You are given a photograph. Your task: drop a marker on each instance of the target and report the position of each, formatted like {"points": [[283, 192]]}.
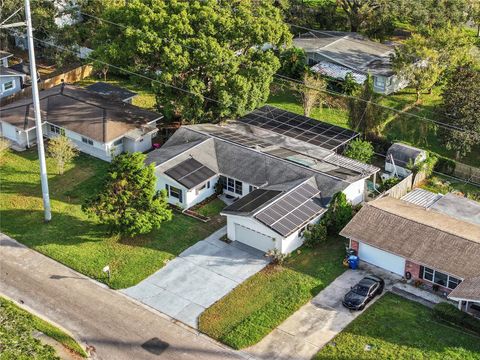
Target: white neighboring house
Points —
{"points": [[97, 125], [281, 183], [400, 156], [11, 80]]}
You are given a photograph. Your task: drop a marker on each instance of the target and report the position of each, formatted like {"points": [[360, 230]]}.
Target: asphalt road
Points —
{"points": [[113, 325]]}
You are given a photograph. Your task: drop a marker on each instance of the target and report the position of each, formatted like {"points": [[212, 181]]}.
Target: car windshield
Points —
{"points": [[360, 290]]}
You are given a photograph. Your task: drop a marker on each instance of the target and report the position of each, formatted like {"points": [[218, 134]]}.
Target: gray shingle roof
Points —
{"points": [[107, 89], [458, 207]]}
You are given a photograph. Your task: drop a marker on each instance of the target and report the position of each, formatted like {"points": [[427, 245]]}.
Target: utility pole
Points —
{"points": [[38, 117]]}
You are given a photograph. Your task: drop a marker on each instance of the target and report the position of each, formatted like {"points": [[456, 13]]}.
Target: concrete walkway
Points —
{"points": [[112, 325], [198, 277], [304, 333]]}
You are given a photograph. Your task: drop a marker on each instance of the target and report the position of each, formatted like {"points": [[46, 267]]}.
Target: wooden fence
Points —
{"points": [[71, 76], [467, 172], [401, 189]]}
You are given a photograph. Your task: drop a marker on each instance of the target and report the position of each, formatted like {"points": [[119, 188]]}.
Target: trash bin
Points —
{"points": [[353, 262]]}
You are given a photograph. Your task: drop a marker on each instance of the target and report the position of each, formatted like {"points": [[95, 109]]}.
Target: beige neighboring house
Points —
{"points": [[425, 237], [99, 126]]}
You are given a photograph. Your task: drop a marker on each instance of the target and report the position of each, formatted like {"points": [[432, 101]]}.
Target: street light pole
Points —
{"points": [[38, 118]]}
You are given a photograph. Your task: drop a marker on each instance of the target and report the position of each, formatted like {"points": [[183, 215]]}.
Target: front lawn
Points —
{"points": [[396, 328], [75, 240], [16, 340], [254, 308]]}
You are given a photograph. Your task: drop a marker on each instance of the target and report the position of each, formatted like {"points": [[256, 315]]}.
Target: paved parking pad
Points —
{"points": [[198, 277]]}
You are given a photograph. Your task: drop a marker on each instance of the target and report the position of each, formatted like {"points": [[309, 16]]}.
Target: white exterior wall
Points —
{"points": [[10, 132], [141, 144], [294, 241], [355, 192], [402, 172], [380, 258], [17, 85], [192, 198]]}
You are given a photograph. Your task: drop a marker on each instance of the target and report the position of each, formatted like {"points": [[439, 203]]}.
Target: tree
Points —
{"points": [[208, 56], [312, 91], [349, 85], [474, 13], [62, 150], [462, 105], [129, 202], [293, 62], [360, 150], [315, 234], [357, 11], [339, 213], [364, 113]]}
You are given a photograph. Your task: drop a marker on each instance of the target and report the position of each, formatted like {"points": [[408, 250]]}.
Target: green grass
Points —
{"points": [[396, 328], [75, 240], [16, 340], [443, 185], [262, 302], [144, 99], [212, 208]]}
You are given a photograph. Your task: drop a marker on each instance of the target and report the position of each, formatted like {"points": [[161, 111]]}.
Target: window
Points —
{"points": [[118, 142], [8, 85], [87, 140], [199, 189], [57, 130], [379, 82], [174, 192], [440, 278], [251, 188], [208, 184], [231, 185]]}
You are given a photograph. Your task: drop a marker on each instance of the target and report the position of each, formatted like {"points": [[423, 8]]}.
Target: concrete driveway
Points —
{"points": [[198, 277], [304, 333]]}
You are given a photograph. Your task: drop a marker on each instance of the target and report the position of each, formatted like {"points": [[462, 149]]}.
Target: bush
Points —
{"points": [[315, 234], [389, 183], [444, 165], [448, 312], [360, 150], [339, 213], [278, 258]]}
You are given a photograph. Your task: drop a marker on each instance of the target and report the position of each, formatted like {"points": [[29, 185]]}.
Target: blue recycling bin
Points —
{"points": [[353, 262]]}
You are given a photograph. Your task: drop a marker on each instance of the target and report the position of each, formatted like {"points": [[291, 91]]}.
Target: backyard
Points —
{"points": [[396, 328], [16, 335], [77, 241], [254, 308]]}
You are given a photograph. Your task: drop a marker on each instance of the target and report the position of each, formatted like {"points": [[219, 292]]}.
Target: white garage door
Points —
{"points": [[9, 131], [380, 258], [253, 238]]}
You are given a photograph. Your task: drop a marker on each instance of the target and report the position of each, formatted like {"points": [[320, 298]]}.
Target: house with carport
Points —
{"points": [[99, 126], [427, 238], [279, 170]]}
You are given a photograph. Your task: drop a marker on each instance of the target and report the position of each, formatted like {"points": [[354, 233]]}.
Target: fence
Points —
{"points": [[402, 188], [467, 172], [71, 76]]}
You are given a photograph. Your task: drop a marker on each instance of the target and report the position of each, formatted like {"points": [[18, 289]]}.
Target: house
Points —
{"points": [[97, 125], [11, 80], [401, 156], [425, 237], [335, 54], [282, 169], [113, 91]]}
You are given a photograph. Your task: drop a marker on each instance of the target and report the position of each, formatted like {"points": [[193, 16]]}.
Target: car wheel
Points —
{"points": [[361, 307]]}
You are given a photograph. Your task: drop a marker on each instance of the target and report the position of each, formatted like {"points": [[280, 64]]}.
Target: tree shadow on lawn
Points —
{"points": [[405, 323]]}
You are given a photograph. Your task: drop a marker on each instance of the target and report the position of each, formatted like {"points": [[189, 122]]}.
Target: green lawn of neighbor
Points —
{"points": [[16, 340], [75, 240], [144, 99], [396, 328], [254, 308], [443, 185]]}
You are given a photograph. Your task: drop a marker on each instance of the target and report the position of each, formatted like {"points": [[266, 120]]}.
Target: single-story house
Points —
{"points": [[11, 80], [97, 125], [271, 162], [335, 53], [424, 237], [113, 91], [400, 156]]}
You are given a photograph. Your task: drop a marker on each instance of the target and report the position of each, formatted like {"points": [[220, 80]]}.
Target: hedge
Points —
{"points": [[450, 313]]}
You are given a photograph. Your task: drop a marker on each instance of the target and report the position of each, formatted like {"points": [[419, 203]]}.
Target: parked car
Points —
{"points": [[361, 294]]}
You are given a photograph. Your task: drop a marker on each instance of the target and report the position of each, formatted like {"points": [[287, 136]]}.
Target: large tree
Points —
{"points": [[462, 106], [129, 202], [214, 49]]}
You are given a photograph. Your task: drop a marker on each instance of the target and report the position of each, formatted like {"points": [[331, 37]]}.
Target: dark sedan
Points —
{"points": [[361, 294]]}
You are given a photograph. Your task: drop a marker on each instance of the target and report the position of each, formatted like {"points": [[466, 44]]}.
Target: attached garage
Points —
{"points": [[253, 238], [380, 258]]}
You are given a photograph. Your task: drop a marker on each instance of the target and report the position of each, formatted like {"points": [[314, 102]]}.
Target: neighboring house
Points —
{"points": [[113, 91], [334, 54], [424, 237], [282, 168], [11, 80], [97, 125], [400, 157]]}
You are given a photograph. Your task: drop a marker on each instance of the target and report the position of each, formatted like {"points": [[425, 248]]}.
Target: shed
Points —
{"points": [[402, 155]]}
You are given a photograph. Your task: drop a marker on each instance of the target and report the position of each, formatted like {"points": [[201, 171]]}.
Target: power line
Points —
{"points": [[284, 78]]}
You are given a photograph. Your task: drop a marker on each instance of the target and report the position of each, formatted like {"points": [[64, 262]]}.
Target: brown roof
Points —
{"points": [[426, 237], [467, 290], [84, 112]]}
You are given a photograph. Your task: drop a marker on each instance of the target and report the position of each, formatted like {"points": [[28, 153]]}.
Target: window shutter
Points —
{"points": [[180, 195], [166, 188], [420, 276]]}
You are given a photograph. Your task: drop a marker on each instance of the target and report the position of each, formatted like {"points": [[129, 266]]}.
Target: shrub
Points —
{"points": [[278, 258], [389, 183], [339, 213], [448, 312], [444, 165], [360, 150], [315, 234]]}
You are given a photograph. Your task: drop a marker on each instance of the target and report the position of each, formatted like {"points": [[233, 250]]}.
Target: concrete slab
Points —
{"points": [[198, 277]]}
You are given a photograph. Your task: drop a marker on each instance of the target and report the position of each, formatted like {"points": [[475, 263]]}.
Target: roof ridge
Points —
{"points": [[422, 223]]}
